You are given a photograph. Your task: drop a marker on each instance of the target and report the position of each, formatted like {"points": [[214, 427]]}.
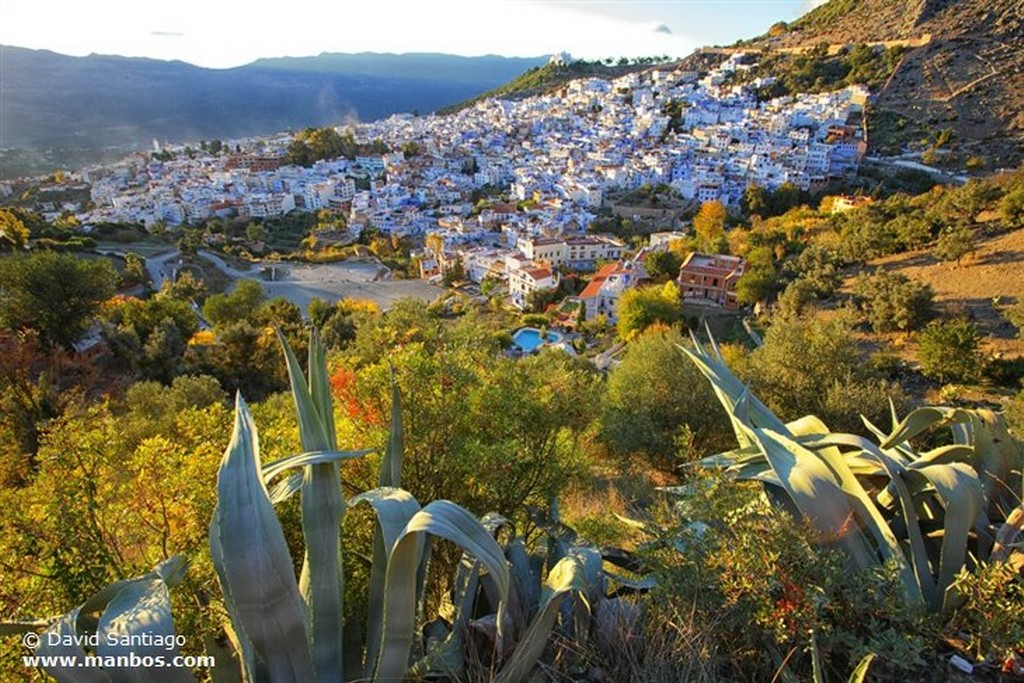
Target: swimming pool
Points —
{"points": [[529, 339]]}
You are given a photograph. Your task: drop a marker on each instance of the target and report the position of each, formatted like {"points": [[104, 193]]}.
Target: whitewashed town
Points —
{"points": [[557, 160]]}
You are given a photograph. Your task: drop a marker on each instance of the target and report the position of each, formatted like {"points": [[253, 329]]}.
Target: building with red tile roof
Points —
{"points": [[711, 278]]}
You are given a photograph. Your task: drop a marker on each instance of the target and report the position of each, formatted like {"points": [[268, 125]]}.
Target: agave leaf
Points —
{"points": [[17, 628], [446, 657], [813, 487], [526, 580], [944, 455], [273, 470], [922, 419], [320, 388], [861, 672], [871, 518], [393, 508], [391, 465], [312, 432], [808, 425], [286, 488], [251, 558], [640, 585], [449, 521], [1007, 535], [227, 657], [63, 632], [323, 508], [817, 672], [564, 578], [960, 492], [999, 460], [140, 609], [730, 390], [894, 470]]}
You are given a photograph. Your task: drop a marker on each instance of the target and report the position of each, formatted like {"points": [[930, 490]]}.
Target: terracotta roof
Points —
{"points": [[593, 287]]}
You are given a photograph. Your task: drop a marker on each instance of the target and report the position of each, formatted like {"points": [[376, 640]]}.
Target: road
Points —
{"points": [[301, 282]]}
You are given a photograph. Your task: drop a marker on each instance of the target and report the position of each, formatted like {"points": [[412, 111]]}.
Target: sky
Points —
{"points": [[221, 34]]}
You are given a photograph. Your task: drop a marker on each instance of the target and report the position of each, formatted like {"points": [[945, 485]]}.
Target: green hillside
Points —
{"points": [[542, 79]]}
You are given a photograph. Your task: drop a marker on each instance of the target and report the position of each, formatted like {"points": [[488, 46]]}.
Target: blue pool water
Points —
{"points": [[528, 338]]}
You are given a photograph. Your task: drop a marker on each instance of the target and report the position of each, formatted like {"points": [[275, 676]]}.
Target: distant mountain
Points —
{"points": [[963, 69], [48, 100]]}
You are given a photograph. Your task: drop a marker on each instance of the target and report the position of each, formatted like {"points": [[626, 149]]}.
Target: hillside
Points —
{"points": [[962, 70], [48, 100], [543, 79]]}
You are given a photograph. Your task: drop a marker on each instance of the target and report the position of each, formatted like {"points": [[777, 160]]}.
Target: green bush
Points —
{"points": [[1005, 372], [892, 301], [747, 587], [948, 350]]}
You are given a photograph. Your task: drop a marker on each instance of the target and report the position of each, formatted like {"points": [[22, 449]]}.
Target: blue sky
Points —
{"points": [[223, 34]]}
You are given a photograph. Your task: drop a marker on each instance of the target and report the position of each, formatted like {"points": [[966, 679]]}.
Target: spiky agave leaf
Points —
{"points": [[391, 465], [323, 508], [133, 606], [251, 558], [393, 509], [446, 520], [141, 609], [568, 576]]}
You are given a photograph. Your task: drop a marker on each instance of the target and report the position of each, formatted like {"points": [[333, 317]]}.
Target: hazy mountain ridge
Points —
{"points": [[52, 100]]}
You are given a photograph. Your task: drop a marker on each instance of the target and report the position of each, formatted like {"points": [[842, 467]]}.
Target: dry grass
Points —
{"points": [[984, 285]]}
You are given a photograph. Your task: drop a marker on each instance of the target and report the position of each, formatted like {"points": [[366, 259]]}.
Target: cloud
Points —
{"points": [[167, 34], [807, 5]]}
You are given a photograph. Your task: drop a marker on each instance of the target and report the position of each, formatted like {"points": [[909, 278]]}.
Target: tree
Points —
{"points": [[955, 243], [54, 294], [813, 365], [892, 301], [454, 273], [796, 299], [662, 265], [754, 201], [948, 350], [13, 233], [709, 223], [657, 404], [255, 232], [435, 243], [642, 307], [186, 288], [240, 304], [134, 269], [757, 285], [1012, 206], [1015, 315]]}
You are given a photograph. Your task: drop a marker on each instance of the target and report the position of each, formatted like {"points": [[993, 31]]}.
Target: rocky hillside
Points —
{"points": [[963, 70]]}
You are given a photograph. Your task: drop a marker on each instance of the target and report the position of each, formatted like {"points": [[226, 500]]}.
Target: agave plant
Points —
{"points": [[287, 628], [127, 627], [930, 513]]}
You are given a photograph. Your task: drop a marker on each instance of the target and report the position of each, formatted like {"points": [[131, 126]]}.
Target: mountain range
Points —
{"points": [[51, 100], [959, 84]]}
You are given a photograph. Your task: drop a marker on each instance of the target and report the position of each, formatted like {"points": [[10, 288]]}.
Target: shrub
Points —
{"points": [[948, 350], [743, 587], [892, 301], [814, 365], [1015, 315], [1005, 372], [954, 243], [652, 397]]}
